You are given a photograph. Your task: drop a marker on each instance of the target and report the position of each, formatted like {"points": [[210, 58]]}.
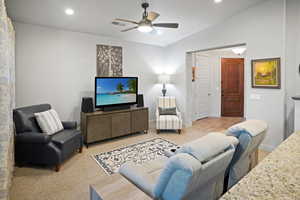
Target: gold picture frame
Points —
{"points": [[266, 73]]}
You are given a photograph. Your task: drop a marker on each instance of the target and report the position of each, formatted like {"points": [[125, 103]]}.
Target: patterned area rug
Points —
{"points": [[137, 153]]}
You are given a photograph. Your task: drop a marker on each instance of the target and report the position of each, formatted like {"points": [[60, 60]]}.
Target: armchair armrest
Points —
{"points": [[33, 137], [178, 114], [69, 125], [157, 113]]}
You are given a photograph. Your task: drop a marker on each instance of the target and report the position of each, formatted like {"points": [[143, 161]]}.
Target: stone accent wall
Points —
{"points": [[7, 100]]}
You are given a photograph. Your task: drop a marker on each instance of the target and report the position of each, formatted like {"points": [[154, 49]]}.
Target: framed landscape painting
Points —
{"points": [[266, 73]]}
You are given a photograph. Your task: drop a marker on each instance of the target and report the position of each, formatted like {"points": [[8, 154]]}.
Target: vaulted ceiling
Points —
{"points": [[95, 16]]}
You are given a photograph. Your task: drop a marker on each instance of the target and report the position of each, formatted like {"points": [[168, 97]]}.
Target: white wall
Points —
{"points": [[262, 29], [58, 67]]}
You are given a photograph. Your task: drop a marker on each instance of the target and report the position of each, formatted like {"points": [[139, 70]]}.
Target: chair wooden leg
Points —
{"points": [[57, 167], [80, 150], [179, 131], [157, 131]]}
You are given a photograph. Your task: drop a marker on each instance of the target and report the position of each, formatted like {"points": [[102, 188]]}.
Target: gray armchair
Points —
{"points": [[196, 172], [250, 135], [34, 147]]}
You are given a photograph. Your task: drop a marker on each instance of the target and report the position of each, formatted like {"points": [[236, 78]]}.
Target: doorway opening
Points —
{"points": [[217, 82]]}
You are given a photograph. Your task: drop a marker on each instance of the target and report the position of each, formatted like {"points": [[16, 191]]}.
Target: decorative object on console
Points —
{"points": [[164, 79], [140, 100], [266, 73], [109, 61], [137, 153], [87, 105]]}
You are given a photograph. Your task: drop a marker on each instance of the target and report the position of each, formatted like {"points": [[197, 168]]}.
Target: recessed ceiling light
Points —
{"points": [[218, 1], [69, 11]]}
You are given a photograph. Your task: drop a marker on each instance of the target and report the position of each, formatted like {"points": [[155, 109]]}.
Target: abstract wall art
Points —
{"points": [[109, 61]]}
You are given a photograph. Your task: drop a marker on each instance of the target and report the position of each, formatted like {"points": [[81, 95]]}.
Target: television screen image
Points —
{"points": [[115, 90]]}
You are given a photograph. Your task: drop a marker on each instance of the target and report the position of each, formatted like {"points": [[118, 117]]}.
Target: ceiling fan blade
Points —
{"points": [[129, 29], [152, 16], [166, 25], [126, 20]]}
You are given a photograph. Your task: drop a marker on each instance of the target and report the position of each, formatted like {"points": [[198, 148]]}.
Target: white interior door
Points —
{"points": [[201, 87]]}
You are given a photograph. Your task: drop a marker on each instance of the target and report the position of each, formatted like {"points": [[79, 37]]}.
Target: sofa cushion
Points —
{"points": [[64, 136], [169, 122], [67, 141], [167, 111], [209, 146], [49, 121]]}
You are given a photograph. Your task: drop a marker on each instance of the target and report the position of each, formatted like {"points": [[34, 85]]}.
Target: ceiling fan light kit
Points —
{"points": [[145, 28], [146, 25]]}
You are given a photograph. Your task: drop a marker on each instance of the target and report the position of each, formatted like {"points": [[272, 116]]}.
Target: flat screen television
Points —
{"points": [[115, 91]]}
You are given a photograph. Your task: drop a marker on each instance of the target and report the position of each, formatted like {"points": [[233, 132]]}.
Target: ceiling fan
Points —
{"points": [[146, 24]]}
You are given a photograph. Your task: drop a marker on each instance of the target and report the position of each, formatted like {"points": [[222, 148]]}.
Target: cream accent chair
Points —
{"points": [[168, 122]]}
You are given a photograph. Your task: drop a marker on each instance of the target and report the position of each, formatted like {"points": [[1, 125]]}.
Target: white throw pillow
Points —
{"points": [[49, 122]]}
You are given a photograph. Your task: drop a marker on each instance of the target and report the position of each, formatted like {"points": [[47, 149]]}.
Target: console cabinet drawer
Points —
{"points": [[139, 120], [121, 124], [98, 128]]}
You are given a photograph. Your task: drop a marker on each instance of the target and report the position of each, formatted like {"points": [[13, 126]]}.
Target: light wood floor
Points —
{"points": [[72, 182]]}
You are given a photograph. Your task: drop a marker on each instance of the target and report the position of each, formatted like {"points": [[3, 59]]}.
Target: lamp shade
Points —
{"points": [[164, 78]]}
